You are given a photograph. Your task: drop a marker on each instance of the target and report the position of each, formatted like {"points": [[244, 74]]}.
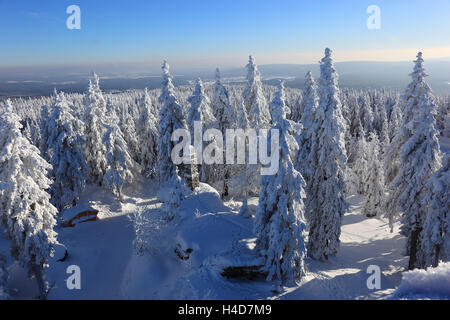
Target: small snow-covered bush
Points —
{"points": [[433, 283]]}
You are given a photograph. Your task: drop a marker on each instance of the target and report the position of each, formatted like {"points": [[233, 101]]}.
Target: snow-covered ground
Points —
{"points": [[433, 283], [218, 237]]}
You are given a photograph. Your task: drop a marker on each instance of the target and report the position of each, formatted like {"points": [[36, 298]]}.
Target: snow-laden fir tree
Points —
{"points": [[25, 209], [258, 113], [170, 119], [66, 155], [395, 123], [375, 194], [240, 172], [359, 165], [225, 119], [43, 123], [279, 224], [128, 128], [435, 237], [419, 159], [442, 115], [94, 149], [254, 99], [221, 105], [409, 103], [380, 124], [325, 192], [200, 108], [200, 112], [310, 101], [32, 131], [147, 135], [366, 113], [121, 168]]}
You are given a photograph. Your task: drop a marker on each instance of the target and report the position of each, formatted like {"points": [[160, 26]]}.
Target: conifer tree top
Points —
{"points": [[419, 71], [280, 110], [252, 68], [217, 75]]}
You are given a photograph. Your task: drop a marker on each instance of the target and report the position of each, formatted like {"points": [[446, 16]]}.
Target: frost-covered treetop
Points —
{"points": [[253, 97], [95, 101], [200, 109], [217, 75], [168, 88], [199, 88], [311, 100], [96, 80], [220, 93], [280, 110], [309, 80], [10, 122], [416, 88], [419, 71], [253, 72], [329, 77]]}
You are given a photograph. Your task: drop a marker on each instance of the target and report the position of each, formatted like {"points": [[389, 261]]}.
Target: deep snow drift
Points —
{"points": [[433, 283]]}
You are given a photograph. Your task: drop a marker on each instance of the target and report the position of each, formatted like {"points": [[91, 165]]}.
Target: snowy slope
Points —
{"points": [[218, 238]]}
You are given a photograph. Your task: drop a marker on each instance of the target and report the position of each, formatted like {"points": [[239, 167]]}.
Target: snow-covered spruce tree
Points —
{"points": [[310, 101], [375, 196], [419, 159], [43, 123], [200, 111], [147, 135], [366, 113], [279, 224], [442, 114], [121, 168], [298, 106], [381, 125], [435, 237], [394, 123], [360, 165], [254, 99], [224, 114], [409, 103], [128, 128], [325, 192], [32, 132], [67, 158], [170, 119], [258, 113], [25, 209], [94, 149], [241, 184], [221, 105]]}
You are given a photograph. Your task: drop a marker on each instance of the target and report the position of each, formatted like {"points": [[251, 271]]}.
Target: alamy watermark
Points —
{"points": [[374, 280], [374, 20], [236, 143], [73, 282], [73, 22]]}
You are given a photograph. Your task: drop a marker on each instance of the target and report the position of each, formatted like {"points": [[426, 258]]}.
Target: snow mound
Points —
{"points": [[205, 199], [433, 283]]}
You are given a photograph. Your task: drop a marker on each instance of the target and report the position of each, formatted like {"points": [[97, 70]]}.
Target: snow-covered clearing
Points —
{"points": [[219, 238]]}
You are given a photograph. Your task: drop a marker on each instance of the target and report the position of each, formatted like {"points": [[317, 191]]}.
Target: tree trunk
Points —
{"points": [[37, 271], [413, 245]]}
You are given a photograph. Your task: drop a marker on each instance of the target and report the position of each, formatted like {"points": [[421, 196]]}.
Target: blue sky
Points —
{"points": [[211, 32]]}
